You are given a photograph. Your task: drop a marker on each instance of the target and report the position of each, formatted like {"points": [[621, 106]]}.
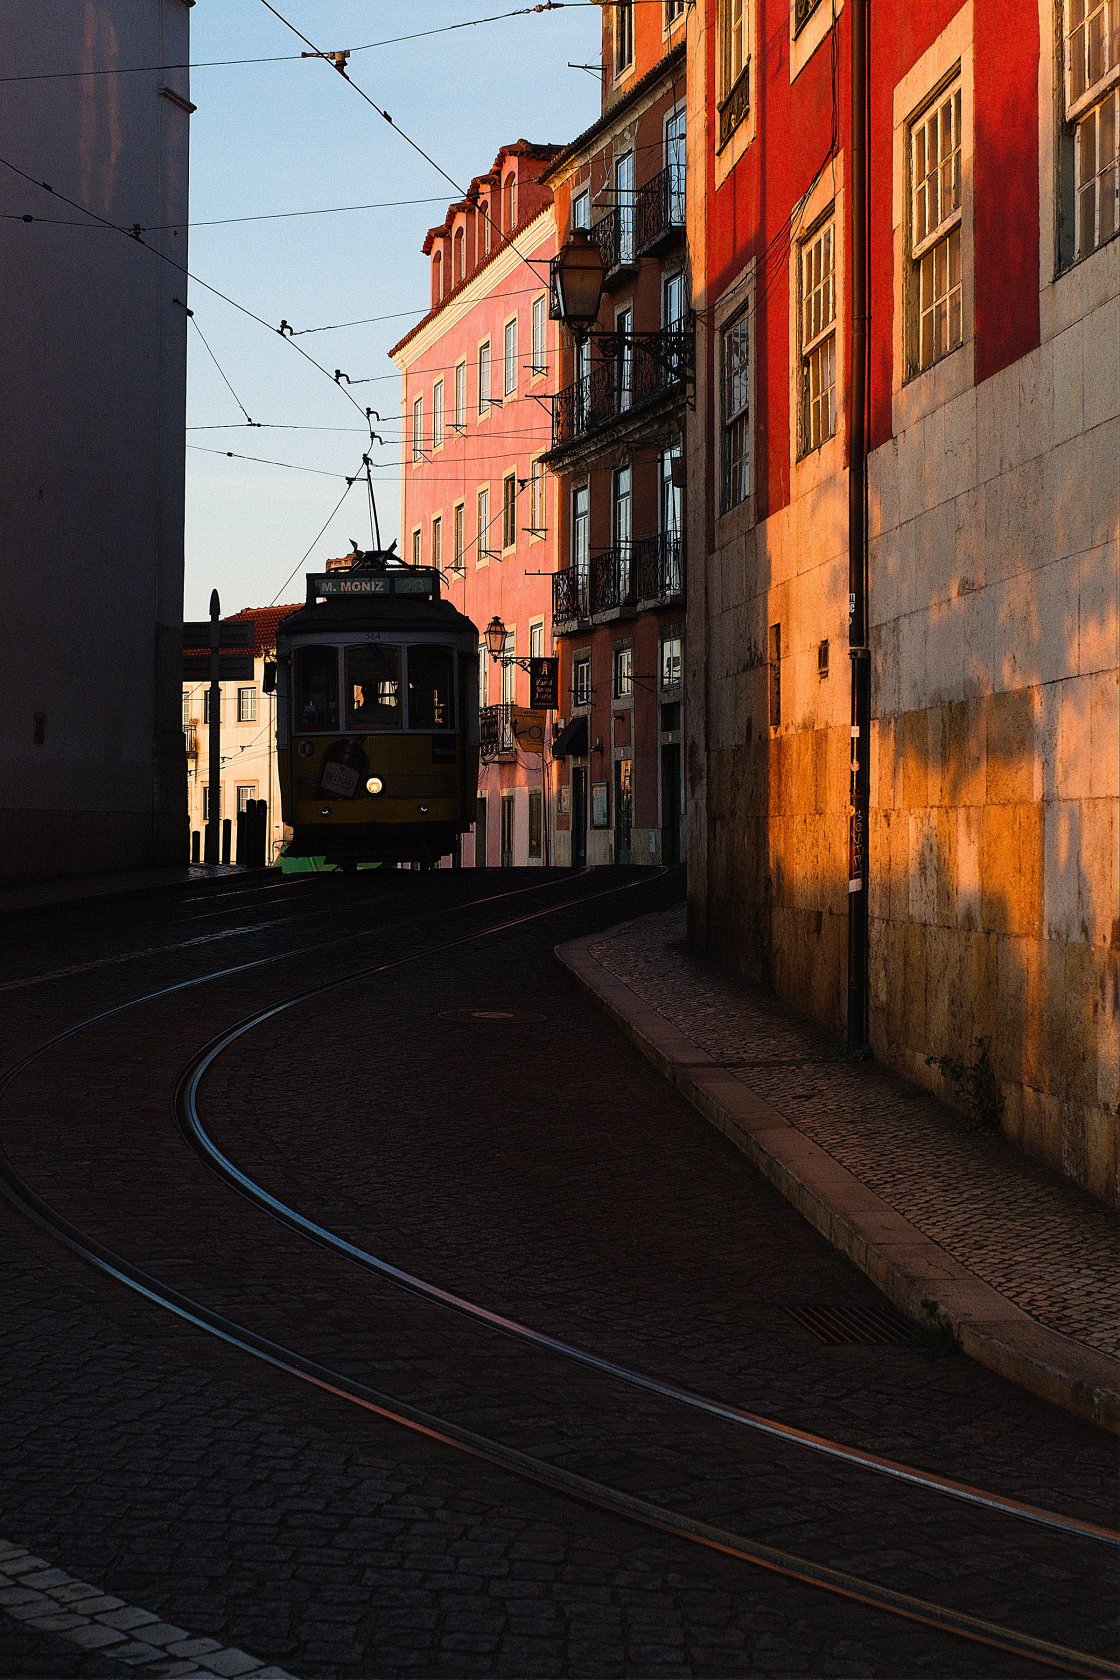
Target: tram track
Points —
{"points": [[503, 1455]]}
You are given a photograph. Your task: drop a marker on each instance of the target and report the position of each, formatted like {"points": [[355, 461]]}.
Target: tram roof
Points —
{"points": [[339, 613]]}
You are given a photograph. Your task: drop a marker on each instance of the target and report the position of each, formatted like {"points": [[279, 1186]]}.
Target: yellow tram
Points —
{"points": [[377, 716]]}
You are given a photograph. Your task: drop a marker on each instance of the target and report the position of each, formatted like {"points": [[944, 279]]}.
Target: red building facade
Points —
{"points": [[617, 455], [477, 500], [903, 572]]}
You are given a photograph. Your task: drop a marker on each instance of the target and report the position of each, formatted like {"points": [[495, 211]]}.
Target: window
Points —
{"points": [[536, 640], [538, 356], [818, 337], [482, 523], [802, 12], [458, 535], [624, 362], [373, 687], [675, 163], [484, 378], [186, 705], [536, 822], [937, 320], [669, 491], [206, 802], [734, 386], [437, 542], [317, 687], [511, 202], [674, 11], [418, 429], [437, 414], [774, 667], [622, 528], [206, 705], [581, 534], [483, 673], [624, 199], [581, 681], [509, 360], [417, 547], [623, 35], [537, 526], [581, 210], [670, 662], [509, 671], [246, 705], [486, 212], [431, 688], [734, 102], [461, 397], [1091, 36], [437, 278], [673, 302], [509, 510], [245, 792], [460, 255], [623, 672]]}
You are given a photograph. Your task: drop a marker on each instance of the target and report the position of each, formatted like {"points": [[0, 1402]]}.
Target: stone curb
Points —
{"points": [[912, 1270]]}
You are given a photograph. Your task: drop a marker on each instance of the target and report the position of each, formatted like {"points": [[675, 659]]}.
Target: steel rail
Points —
{"points": [[957, 1624]]}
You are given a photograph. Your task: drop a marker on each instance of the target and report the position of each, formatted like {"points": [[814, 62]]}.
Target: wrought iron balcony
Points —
{"points": [[570, 599], [614, 235], [612, 581], [734, 107], [660, 568], [659, 209], [496, 737], [633, 370]]}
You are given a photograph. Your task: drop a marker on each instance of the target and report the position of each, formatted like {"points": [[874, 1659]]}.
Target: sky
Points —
{"points": [[292, 136]]}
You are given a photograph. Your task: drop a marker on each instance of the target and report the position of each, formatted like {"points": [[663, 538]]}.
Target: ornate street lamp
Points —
{"points": [[578, 273], [495, 638]]}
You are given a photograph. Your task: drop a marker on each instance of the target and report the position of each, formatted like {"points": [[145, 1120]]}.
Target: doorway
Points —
{"points": [[480, 834], [671, 804], [579, 817], [505, 833], [623, 809]]}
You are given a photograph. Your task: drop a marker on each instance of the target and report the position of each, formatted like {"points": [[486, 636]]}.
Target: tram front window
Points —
{"points": [[317, 688], [431, 688], [373, 688]]}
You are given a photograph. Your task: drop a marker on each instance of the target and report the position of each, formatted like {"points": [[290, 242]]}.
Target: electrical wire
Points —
{"points": [[194, 323]]}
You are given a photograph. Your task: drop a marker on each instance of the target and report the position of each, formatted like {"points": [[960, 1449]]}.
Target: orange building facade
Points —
{"points": [[477, 500]]}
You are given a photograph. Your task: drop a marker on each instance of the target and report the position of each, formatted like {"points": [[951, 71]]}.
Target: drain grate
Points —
{"points": [[854, 1326]]}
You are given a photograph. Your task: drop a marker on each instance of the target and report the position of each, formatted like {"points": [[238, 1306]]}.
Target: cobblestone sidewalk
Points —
{"points": [[1021, 1264]]}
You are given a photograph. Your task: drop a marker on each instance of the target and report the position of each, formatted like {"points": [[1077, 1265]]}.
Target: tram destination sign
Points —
{"points": [[331, 585]]}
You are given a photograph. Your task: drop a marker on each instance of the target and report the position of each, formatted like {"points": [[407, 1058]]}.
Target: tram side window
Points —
{"points": [[373, 688], [317, 688], [431, 688]]}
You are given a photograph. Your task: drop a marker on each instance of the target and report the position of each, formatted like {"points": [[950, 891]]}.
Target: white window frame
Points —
{"points": [[459, 536], [536, 638], [509, 669], [581, 680], [674, 12], [625, 199], [935, 212], [485, 376], [482, 525], [580, 558], [437, 541], [247, 704], [622, 671], [437, 415], [538, 353], [249, 789], [735, 412], [417, 545], [670, 666], [581, 208], [509, 511], [460, 397], [817, 279], [623, 38], [417, 430], [538, 527], [1091, 106], [509, 358]]}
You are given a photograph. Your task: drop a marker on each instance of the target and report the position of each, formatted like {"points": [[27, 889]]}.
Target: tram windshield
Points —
{"points": [[373, 687], [431, 688], [317, 688]]}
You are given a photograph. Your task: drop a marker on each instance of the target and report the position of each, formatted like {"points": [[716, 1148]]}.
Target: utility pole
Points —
{"points": [[214, 788]]}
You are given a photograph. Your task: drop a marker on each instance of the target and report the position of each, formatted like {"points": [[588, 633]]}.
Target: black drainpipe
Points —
{"points": [[859, 651]]}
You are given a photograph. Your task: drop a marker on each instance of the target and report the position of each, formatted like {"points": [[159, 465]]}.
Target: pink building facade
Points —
{"points": [[476, 377]]}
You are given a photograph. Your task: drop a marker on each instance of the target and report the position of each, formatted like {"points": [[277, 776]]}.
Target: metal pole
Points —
{"points": [[858, 648], [214, 785]]}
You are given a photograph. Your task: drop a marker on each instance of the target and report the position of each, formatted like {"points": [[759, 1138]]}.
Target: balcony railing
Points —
{"points": [[659, 209], [735, 105], [190, 739], [570, 598], [633, 369], [614, 235], [660, 567], [612, 581], [496, 737]]}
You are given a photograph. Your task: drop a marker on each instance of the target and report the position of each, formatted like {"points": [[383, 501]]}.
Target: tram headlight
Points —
{"points": [[374, 785]]}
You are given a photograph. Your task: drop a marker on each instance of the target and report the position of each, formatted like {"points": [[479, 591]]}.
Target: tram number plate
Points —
{"points": [[443, 749], [340, 780]]}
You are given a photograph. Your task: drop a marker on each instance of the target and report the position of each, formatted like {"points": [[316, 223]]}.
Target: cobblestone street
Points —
{"points": [[466, 1115]]}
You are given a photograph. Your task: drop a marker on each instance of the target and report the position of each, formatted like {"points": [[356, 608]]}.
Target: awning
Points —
{"points": [[572, 739]]}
